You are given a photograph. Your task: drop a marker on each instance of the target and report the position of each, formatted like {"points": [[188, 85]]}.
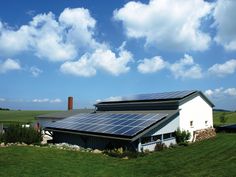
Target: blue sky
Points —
{"points": [[94, 51]]}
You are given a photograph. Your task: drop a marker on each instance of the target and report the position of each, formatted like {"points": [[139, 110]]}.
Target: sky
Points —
{"points": [[93, 51]]}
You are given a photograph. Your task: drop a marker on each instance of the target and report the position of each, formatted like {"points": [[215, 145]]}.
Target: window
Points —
{"points": [[191, 123], [206, 122], [156, 137], [146, 140], [168, 135]]}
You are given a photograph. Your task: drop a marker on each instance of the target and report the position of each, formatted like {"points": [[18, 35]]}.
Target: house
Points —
{"points": [[137, 122]]}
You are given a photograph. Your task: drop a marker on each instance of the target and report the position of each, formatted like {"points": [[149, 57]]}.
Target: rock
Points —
{"points": [[125, 158], [2, 144], [96, 151]]}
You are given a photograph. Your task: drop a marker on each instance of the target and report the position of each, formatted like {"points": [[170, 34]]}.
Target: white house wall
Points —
{"points": [[198, 111], [169, 128]]}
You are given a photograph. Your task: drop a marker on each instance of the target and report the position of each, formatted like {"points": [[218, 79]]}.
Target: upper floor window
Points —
{"points": [[191, 123]]}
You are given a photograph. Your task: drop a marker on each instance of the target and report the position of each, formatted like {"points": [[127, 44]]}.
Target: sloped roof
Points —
{"points": [[125, 125], [166, 100]]}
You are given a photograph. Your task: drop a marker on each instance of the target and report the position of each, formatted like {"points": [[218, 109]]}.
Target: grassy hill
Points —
{"points": [[230, 117], [215, 157], [20, 116]]}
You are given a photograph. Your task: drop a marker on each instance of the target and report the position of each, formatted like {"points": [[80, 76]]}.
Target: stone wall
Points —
{"points": [[204, 134]]}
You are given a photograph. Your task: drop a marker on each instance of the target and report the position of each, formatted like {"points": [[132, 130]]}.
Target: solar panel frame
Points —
{"points": [[154, 96], [109, 123]]}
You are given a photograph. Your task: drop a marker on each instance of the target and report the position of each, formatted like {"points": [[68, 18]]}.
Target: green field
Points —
{"points": [[230, 117], [215, 157], [20, 116]]}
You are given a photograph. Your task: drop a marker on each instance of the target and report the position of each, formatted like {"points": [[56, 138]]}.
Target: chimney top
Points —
{"points": [[70, 103]]}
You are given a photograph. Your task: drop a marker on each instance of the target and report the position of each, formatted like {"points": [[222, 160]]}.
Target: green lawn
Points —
{"points": [[20, 116], [230, 116], [215, 157]]}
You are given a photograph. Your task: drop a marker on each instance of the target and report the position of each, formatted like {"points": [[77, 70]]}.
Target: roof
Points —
{"points": [[64, 114], [166, 100], [125, 125]]}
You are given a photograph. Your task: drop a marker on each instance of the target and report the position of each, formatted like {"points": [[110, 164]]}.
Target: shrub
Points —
{"points": [[223, 118], [182, 136], [159, 147], [1, 138], [18, 133], [121, 153]]}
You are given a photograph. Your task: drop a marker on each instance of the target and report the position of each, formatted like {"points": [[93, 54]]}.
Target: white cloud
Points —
{"points": [[223, 98], [183, 68], [103, 59], [167, 24], [113, 98], [82, 67], [9, 65], [230, 91], [48, 37], [224, 15], [220, 92], [151, 65], [40, 100], [47, 100], [57, 100], [2, 99], [35, 71], [229, 67], [186, 68]]}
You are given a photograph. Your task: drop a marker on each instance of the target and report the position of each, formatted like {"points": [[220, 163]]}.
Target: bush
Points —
{"points": [[159, 147], [18, 133], [120, 153], [223, 118], [182, 136], [1, 138]]}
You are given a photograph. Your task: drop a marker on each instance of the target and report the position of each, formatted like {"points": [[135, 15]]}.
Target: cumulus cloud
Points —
{"points": [[186, 68], [35, 71], [151, 65], [48, 37], [100, 59], [167, 24], [183, 68], [47, 100], [220, 92], [224, 13], [9, 65], [229, 67]]}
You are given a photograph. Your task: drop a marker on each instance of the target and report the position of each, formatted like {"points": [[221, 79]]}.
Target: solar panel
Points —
{"points": [[157, 96], [108, 123]]}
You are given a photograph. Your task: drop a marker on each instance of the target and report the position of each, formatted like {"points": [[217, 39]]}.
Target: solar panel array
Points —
{"points": [[157, 96], [108, 123]]}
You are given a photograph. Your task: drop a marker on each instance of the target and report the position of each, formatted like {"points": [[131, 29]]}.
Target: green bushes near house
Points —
{"points": [[17, 133], [182, 137]]}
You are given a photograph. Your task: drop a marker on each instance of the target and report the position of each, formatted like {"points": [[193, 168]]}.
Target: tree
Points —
{"points": [[223, 118]]}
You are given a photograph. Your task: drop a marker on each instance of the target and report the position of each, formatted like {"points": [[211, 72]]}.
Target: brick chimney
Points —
{"points": [[70, 103]]}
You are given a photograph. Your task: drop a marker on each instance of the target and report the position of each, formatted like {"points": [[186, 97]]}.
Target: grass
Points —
{"points": [[230, 116], [20, 116], [215, 157]]}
